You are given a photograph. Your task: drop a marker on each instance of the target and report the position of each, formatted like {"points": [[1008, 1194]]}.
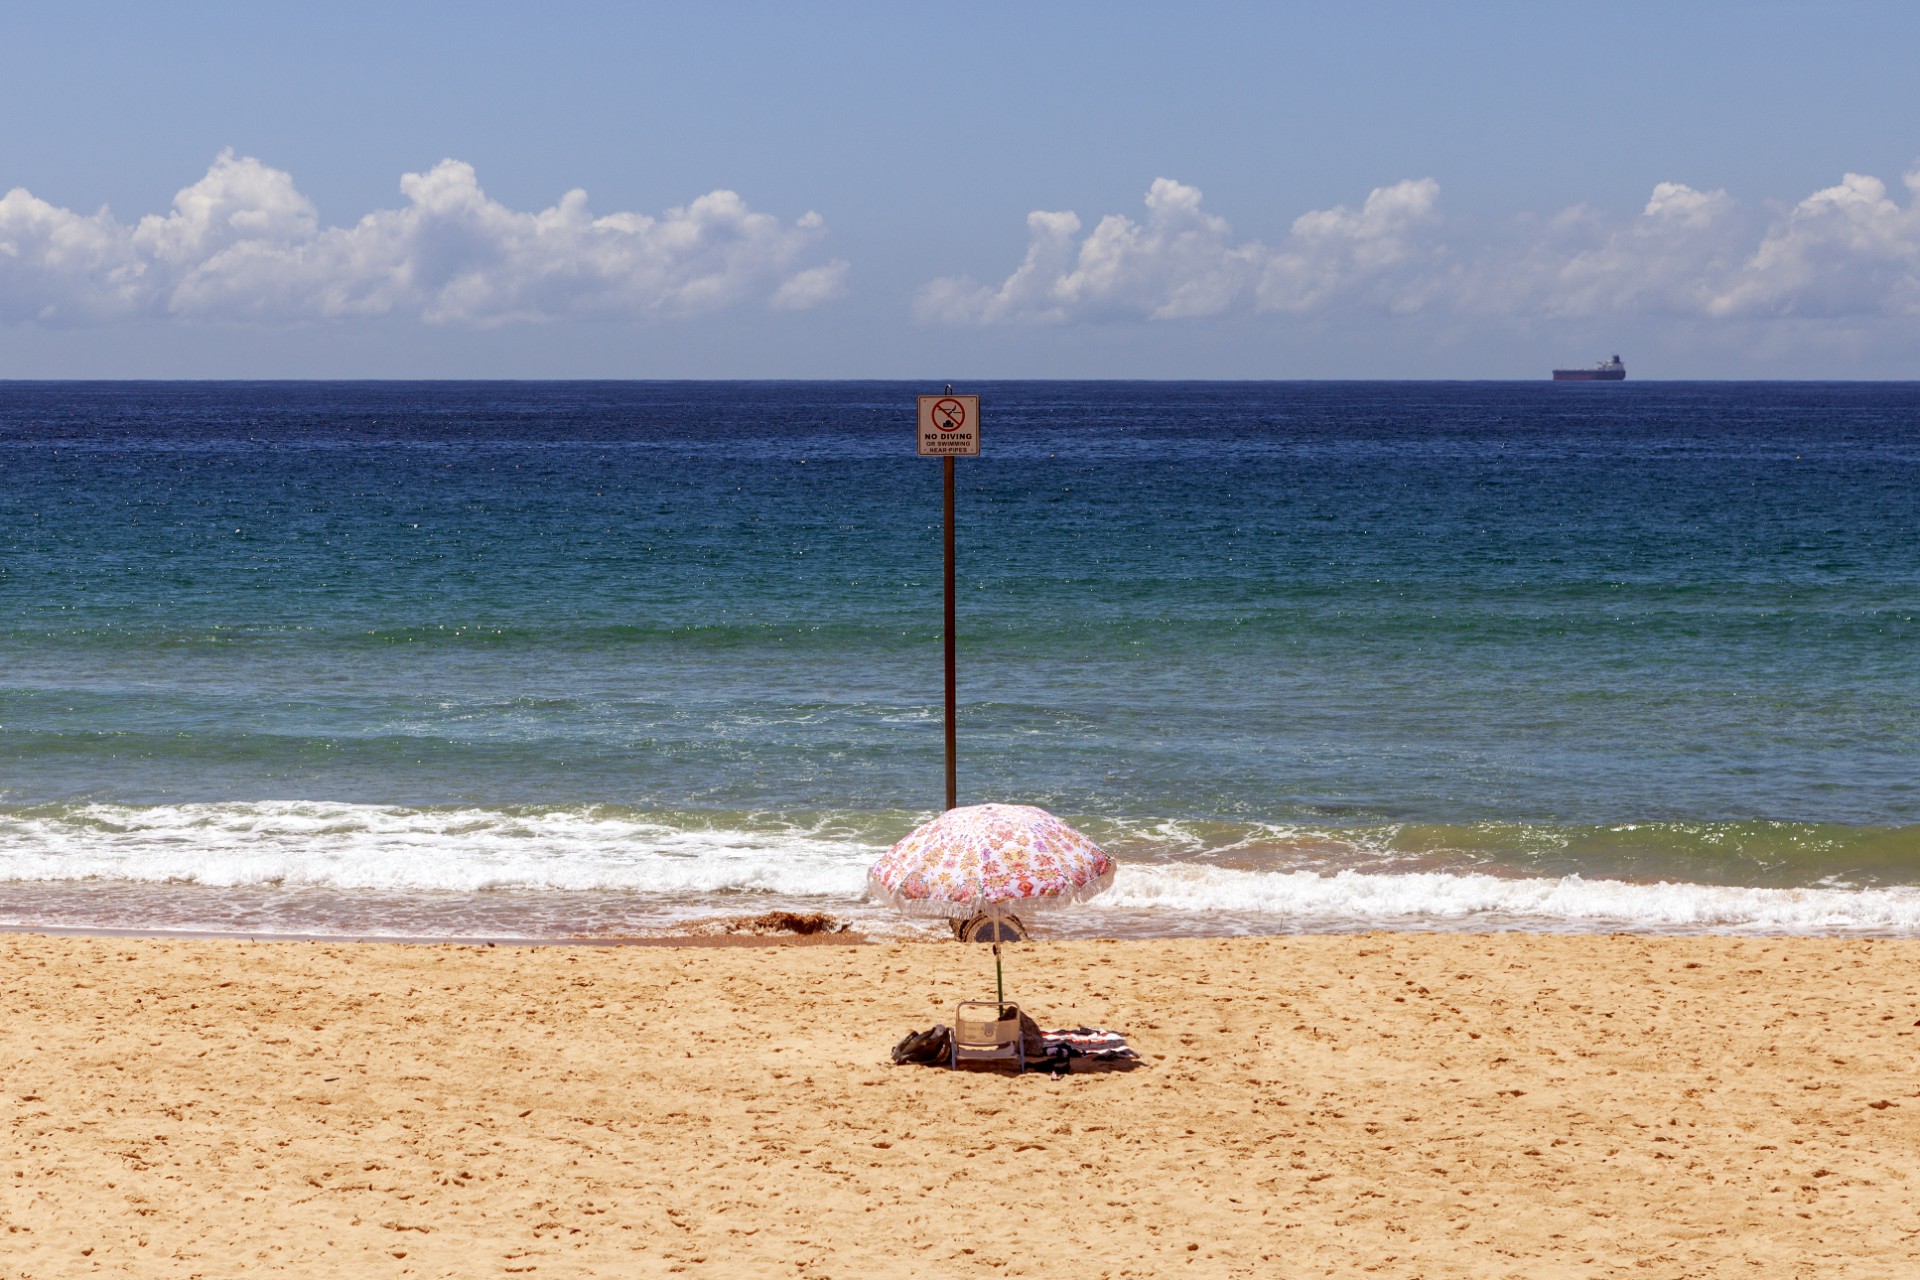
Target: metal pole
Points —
{"points": [[953, 688]]}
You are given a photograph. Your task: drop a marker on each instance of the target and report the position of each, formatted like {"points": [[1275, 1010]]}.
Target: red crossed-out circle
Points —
{"points": [[949, 414]]}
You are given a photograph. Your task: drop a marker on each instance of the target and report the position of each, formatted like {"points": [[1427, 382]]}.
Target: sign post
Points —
{"points": [[948, 427]]}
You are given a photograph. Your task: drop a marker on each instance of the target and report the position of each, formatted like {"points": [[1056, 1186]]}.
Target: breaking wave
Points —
{"points": [[338, 866]]}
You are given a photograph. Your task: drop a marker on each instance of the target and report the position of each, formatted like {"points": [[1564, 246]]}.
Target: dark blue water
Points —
{"points": [[577, 636]]}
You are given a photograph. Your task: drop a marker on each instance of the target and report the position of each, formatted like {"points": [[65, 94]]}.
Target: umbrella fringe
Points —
{"points": [[948, 908]]}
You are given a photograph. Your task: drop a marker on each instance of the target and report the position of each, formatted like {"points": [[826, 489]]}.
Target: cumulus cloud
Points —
{"points": [[1668, 260], [1851, 249], [1336, 252], [807, 289], [1841, 251], [244, 244], [1180, 262], [1183, 262]]}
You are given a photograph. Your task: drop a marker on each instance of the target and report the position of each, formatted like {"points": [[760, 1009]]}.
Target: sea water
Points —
{"points": [[523, 659]]}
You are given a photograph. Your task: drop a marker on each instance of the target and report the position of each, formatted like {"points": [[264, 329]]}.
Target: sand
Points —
{"points": [[1391, 1105]]}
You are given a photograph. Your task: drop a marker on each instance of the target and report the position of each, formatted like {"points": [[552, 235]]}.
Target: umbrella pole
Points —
{"points": [[953, 688], [999, 982]]}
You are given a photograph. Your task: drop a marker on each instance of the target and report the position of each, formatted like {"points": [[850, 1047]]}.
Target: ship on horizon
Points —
{"points": [[1606, 371]]}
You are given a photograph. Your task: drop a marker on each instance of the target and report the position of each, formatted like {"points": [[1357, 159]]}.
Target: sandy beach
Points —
{"points": [[1393, 1105]]}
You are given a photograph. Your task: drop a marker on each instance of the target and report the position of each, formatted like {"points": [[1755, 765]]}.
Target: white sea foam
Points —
{"points": [[346, 847], [1348, 898]]}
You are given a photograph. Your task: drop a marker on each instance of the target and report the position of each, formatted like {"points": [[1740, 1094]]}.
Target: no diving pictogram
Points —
{"points": [[949, 414]]}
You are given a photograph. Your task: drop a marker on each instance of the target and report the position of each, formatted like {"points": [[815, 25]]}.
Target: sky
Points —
{"points": [[1363, 190]]}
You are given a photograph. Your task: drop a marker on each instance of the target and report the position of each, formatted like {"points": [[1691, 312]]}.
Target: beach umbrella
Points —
{"points": [[989, 859]]}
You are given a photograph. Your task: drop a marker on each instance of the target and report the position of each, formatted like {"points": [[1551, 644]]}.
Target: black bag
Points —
{"points": [[934, 1045], [1033, 1043]]}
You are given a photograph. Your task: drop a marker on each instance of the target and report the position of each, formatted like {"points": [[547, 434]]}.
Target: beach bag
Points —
{"points": [[1033, 1044], [934, 1045]]}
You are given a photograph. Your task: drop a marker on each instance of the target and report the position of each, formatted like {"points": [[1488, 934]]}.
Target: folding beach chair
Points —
{"points": [[987, 1031]]}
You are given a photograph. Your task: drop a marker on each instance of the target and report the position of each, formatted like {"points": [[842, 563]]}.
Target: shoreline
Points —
{"points": [[848, 938], [1304, 903], [855, 936], [1409, 1104]]}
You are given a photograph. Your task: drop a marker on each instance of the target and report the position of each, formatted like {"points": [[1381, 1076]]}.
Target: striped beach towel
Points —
{"points": [[1088, 1042]]}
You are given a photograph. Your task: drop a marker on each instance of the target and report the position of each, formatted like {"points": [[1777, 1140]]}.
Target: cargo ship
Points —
{"points": [[1606, 371]]}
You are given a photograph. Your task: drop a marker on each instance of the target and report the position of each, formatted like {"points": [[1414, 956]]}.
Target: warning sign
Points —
{"points": [[949, 426]]}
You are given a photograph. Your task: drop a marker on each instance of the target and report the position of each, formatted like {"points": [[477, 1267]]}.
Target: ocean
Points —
{"points": [[597, 659]]}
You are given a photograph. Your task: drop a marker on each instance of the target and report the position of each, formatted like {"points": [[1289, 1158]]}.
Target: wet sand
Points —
{"points": [[1393, 1105]]}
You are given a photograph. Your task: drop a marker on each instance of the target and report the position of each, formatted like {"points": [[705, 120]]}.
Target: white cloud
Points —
{"points": [[1026, 294], [1842, 251], [243, 244], [58, 265], [1180, 262], [1850, 250], [1338, 251], [812, 287], [1183, 262], [1579, 262]]}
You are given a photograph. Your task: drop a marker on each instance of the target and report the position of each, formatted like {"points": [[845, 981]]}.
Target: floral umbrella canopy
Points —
{"points": [[989, 858]]}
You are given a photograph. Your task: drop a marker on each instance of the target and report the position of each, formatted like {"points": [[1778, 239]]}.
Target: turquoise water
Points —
{"points": [[443, 655]]}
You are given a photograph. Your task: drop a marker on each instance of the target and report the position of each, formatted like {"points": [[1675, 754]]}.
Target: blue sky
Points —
{"points": [[1364, 190]]}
